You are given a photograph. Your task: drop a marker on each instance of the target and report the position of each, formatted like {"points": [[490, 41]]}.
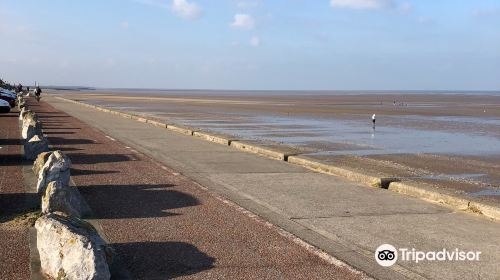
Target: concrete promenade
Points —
{"points": [[346, 220], [162, 225]]}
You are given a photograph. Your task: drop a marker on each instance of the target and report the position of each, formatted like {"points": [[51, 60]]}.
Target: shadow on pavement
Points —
{"points": [[55, 127], [162, 260], [58, 132], [14, 204], [10, 141], [79, 158], [78, 172], [64, 141], [11, 159], [134, 201]]}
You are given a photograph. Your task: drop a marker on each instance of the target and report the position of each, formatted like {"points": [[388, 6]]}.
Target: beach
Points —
{"points": [[447, 140]]}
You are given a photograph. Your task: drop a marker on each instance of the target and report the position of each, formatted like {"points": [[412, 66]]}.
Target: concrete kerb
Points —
{"points": [[390, 183], [333, 170], [417, 190], [216, 138], [180, 129], [277, 154], [157, 123]]}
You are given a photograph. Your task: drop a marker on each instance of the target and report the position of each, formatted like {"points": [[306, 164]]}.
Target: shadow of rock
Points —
{"points": [[55, 127], [134, 201], [11, 159], [79, 158], [58, 132], [15, 204], [10, 141], [64, 141], [78, 172], [162, 260]]}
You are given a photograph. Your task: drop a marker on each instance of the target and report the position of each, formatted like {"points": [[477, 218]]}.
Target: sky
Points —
{"points": [[253, 44]]}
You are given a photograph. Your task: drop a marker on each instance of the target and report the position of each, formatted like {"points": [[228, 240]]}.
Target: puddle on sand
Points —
{"points": [[382, 140], [463, 176], [486, 193]]}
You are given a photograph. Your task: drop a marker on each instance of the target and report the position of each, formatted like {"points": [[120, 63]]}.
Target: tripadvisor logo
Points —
{"points": [[387, 255]]}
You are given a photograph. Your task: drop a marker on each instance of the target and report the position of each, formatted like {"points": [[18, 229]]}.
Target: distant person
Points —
{"points": [[373, 120], [19, 88], [38, 91]]}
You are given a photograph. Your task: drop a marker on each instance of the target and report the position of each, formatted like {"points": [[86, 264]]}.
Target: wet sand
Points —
{"points": [[446, 140]]}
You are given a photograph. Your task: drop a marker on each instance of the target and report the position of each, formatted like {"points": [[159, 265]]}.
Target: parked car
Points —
{"points": [[8, 97], [4, 106], [8, 92]]}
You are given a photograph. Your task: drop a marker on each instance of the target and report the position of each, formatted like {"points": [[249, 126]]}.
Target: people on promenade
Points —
{"points": [[38, 91]]}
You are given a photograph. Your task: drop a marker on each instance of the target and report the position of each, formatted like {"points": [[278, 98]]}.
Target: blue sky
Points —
{"points": [[253, 44]]}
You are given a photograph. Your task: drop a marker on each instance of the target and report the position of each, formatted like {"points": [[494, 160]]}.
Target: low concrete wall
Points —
{"points": [[261, 150], [333, 170], [216, 138], [180, 129]]}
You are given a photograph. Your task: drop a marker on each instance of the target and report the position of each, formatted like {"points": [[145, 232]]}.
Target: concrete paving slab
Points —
{"points": [[423, 232], [310, 195]]}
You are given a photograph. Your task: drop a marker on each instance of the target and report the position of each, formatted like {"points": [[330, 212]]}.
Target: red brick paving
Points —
{"points": [[165, 226], [14, 249]]}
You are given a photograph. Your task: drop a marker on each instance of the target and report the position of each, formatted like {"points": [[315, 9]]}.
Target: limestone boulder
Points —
{"points": [[56, 168], [61, 198], [30, 115], [31, 126], [71, 248], [40, 162], [35, 146], [23, 113]]}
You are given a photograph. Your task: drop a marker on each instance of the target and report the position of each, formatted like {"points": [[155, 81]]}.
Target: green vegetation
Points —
{"points": [[5, 85]]}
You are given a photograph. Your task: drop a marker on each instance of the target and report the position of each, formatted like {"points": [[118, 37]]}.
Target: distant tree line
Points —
{"points": [[6, 85]]}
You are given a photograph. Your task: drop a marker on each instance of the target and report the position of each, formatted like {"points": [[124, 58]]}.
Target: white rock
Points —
{"points": [[70, 248], [56, 168], [31, 126], [61, 198], [35, 146], [23, 112], [40, 161]]}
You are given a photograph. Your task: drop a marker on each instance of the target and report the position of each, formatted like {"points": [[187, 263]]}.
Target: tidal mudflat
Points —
{"points": [[450, 140]]}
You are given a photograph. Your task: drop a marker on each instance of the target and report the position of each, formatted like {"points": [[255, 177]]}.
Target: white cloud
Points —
{"points": [[247, 4], [243, 21], [361, 4], [154, 3], [405, 8], [487, 12], [424, 20], [255, 41], [124, 24], [185, 9]]}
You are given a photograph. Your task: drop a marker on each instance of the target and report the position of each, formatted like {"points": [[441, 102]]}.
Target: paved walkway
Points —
{"points": [[163, 225], [14, 250], [346, 220]]}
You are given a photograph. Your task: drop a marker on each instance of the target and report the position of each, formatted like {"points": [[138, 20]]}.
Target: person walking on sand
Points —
{"points": [[373, 120]]}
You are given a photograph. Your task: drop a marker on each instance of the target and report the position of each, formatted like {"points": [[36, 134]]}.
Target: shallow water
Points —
{"points": [[387, 139]]}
